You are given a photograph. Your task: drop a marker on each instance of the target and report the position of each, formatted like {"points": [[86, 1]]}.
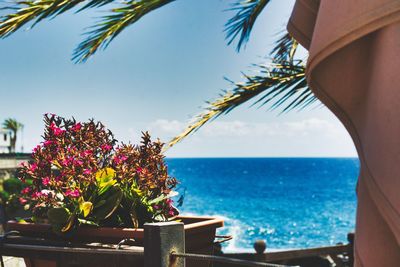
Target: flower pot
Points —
{"points": [[199, 238]]}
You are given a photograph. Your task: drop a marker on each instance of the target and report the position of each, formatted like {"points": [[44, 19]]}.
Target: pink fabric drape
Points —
{"points": [[354, 69]]}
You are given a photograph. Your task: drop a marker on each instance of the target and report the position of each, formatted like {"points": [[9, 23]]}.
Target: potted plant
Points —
{"points": [[84, 186]]}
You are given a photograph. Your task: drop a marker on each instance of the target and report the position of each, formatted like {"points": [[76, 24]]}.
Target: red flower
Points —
{"points": [[26, 190], [22, 200]]}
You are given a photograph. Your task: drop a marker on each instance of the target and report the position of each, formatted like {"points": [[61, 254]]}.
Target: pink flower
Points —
{"points": [[106, 147], [56, 130], [52, 126], [120, 159], [33, 167], [22, 201], [117, 160], [47, 143], [86, 153], [46, 181], [87, 172], [72, 193], [171, 213], [139, 169], [78, 162], [77, 127], [36, 149], [36, 194]]}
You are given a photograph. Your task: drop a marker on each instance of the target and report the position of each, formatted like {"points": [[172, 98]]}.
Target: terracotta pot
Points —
{"points": [[199, 238]]}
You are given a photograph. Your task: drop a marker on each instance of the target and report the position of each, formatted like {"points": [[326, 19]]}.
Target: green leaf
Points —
{"points": [[87, 222], [69, 224], [58, 215], [100, 203], [61, 219], [158, 199], [112, 200], [134, 218]]}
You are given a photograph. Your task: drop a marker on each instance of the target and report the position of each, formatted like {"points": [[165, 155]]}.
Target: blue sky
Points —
{"points": [[155, 76]]}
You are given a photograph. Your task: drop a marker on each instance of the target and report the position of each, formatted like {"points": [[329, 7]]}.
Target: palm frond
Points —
{"points": [[284, 49], [35, 11], [12, 124], [100, 36], [279, 84], [243, 21]]}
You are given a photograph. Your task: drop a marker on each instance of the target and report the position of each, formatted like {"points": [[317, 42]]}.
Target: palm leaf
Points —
{"points": [[100, 36], [279, 84], [35, 11], [243, 21], [284, 49]]}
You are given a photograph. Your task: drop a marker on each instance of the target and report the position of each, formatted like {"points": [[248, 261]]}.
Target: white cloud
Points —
{"points": [[238, 128], [306, 137], [170, 127]]}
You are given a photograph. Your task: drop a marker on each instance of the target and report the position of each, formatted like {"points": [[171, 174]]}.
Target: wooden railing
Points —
{"points": [[340, 255], [164, 246]]}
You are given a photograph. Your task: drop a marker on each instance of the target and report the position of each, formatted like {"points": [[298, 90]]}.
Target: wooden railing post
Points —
{"points": [[160, 240], [350, 238]]}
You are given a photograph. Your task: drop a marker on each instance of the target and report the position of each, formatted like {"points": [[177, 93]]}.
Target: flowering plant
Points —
{"points": [[80, 175]]}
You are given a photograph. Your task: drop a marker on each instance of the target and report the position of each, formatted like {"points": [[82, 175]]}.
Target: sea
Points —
{"points": [[288, 202]]}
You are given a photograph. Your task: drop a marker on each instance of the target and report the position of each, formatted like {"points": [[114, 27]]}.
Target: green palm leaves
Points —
{"points": [[280, 83], [110, 26], [276, 84], [99, 36], [35, 11], [242, 23]]}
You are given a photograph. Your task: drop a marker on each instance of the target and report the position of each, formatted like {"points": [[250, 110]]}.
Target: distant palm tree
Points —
{"points": [[14, 126], [280, 81]]}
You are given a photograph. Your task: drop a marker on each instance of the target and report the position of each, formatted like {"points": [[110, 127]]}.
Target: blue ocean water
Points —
{"points": [[289, 202]]}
